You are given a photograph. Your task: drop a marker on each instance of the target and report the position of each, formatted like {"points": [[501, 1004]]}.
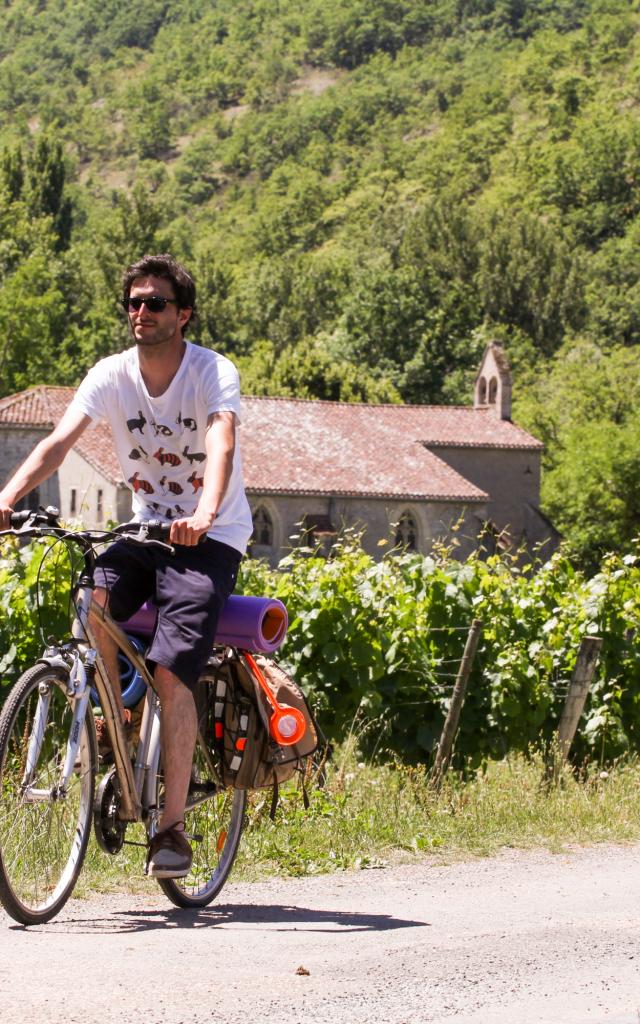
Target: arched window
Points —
{"points": [[493, 390], [407, 532], [482, 391], [262, 528]]}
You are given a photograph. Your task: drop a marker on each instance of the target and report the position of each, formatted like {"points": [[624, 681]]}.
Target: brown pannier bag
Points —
{"points": [[250, 757]]}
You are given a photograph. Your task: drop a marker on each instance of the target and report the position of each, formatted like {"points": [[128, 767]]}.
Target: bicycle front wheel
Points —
{"points": [[44, 827], [214, 818]]}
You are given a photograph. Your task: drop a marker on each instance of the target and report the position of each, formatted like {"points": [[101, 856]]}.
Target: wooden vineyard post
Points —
{"points": [[450, 727], [581, 679]]}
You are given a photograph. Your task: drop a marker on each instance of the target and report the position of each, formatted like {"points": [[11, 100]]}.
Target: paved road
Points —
{"points": [[524, 938]]}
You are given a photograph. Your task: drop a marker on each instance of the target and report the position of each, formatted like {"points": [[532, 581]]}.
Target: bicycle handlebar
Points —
{"points": [[46, 521], [151, 531]]}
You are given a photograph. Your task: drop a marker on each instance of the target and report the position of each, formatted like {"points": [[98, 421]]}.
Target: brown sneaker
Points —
{"points": [[170, 854]]}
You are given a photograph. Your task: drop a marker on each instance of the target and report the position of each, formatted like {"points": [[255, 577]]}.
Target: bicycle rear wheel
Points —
{"points": [[214, 816], [43, 831]]}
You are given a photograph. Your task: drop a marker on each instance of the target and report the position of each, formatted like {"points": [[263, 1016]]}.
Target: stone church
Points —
{"points": [[407, 475]]}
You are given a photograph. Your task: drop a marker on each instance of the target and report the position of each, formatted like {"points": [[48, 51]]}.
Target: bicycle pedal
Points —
{"points": [[196, 838], [203, 788]]}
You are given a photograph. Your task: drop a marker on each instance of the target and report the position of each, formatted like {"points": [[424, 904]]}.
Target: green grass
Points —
{"points": [[368, 816]]}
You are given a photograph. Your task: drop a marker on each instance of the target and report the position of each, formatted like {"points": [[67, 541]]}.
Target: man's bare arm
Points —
{"points": [[42, 462], [220, 443]]}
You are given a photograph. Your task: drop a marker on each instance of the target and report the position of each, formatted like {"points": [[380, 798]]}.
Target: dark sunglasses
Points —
{"points": [[154, 303]]}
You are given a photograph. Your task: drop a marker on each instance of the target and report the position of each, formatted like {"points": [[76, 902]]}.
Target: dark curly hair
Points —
{"points": [[166, 267]]}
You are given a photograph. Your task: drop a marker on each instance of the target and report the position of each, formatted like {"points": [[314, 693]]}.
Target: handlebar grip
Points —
{"points": [[49, 516], [158, 530], [18, 518]]}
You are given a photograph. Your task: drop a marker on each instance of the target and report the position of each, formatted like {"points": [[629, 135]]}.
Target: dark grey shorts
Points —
{"points": [[190, 589]]}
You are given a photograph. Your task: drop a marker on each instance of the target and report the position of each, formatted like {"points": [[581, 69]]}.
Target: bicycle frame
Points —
{"points": [[131, 806], [79, 659], [137, 782]]}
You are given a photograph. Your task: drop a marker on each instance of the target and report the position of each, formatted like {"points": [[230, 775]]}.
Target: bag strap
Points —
{"points": [[275, 796], [305, 796]]}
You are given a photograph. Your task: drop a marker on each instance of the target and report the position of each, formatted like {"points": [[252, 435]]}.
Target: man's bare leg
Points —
{"points": [[108, 649], [179, 729]]}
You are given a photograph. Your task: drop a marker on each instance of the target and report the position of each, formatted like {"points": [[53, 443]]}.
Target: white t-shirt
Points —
{"points": [[160, 442]]}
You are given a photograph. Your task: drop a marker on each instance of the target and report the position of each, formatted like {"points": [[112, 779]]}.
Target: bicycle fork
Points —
{"points": [[78, 690]]}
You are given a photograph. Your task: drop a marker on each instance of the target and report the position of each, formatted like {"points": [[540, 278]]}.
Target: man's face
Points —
{"points": [[151, 328]]}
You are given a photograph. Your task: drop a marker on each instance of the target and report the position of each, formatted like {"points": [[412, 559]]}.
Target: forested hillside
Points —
{"points": [[366, 191]]}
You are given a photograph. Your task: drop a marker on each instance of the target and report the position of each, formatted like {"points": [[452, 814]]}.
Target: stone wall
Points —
{"points": [[376, 516], [16, 444], [97, 500], [74, 474], [511, 478]]}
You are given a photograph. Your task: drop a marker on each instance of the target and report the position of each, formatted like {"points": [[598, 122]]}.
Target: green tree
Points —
{"points": [[12, 173], [39, 181], [584, 407], [34, 323], [310, 370], [613, 289], [529, 277], [592, 494]]}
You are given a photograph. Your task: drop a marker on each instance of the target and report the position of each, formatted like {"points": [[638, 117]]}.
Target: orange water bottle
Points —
{"points": [[287, 725]]}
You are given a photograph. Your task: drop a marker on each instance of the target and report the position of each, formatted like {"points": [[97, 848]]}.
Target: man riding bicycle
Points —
{"points": [[183, 401]]}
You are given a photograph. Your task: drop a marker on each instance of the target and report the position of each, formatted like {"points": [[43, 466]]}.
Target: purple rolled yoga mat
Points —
{"points": [[256, 624]]}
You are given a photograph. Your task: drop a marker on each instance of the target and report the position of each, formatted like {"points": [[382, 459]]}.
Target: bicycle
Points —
{"points": [[49, 757]]}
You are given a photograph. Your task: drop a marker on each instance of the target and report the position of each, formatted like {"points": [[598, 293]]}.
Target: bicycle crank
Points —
{"points": [[109, 828]]}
